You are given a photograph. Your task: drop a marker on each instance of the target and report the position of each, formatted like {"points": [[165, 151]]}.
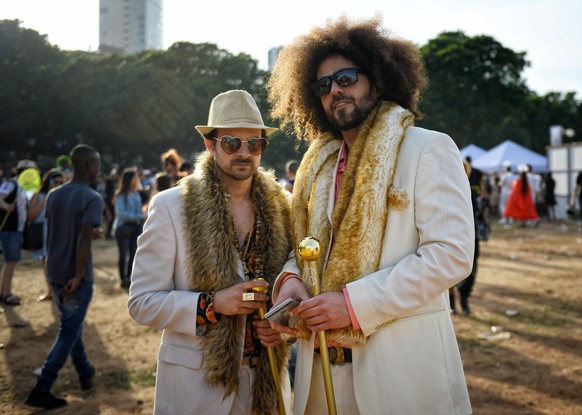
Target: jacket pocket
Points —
{"points": [[180, 355]]}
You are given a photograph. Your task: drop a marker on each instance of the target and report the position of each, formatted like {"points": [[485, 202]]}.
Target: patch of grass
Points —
{"points": [[117, 380], [467, 343], [144, 377], [547, 317], [123, 379]]}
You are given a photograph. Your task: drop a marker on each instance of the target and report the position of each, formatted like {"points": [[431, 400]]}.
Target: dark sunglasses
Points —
{"points": [[230, 145], [343, 77]]}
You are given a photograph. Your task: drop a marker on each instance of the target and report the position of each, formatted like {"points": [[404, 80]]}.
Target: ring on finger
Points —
{"points": [[248, 296]]}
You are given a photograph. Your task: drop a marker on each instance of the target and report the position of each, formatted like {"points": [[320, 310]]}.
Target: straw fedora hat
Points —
{"points": [[234, 109]]}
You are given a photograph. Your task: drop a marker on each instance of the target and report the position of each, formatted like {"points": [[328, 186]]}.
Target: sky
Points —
{"points": [[548, 31]]}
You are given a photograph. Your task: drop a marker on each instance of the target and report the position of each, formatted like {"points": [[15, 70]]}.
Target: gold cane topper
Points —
{"points": [[260, 290], [310, 250]]}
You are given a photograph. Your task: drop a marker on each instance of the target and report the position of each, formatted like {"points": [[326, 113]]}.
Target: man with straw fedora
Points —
{"points": [[204, 245]]}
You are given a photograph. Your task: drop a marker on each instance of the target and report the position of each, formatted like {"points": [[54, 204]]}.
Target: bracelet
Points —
{"points": [[288, 277]]}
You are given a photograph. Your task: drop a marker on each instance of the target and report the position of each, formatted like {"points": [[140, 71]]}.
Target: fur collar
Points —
{"points": [[212, 265], [360, 215]]}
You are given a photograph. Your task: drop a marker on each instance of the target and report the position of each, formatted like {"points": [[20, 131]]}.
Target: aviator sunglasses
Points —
{"points": [[343, 77], [230, 144]]}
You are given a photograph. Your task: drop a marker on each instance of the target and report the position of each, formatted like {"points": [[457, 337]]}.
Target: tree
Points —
{"points": [[553, 108], [476, 91], [27, 95]]}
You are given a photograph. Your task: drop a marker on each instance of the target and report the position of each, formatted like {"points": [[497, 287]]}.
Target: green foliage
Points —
{"points": [[477, 94], [134, 107], [476, 90], [28, 66]]}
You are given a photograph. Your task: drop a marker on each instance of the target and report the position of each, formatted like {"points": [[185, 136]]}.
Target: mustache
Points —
{"points": [[241, 160], [341, 97]]}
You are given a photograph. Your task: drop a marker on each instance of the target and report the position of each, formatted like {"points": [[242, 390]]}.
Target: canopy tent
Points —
{"points": [[510, 153], [472, 151]]}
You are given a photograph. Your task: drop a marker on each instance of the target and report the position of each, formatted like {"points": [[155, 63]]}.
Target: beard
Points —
{"points": [[231, 170], [346, 119]]}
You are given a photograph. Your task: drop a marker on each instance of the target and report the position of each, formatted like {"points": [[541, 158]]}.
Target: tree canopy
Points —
{"points": [[134, 107]]}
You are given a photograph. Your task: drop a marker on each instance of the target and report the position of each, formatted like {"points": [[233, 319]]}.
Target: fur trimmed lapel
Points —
{"points": [[212, 265], [360, 214]]}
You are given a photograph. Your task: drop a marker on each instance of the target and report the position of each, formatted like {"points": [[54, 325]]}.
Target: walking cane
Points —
{"points": [[309, 250], [271, 354]]}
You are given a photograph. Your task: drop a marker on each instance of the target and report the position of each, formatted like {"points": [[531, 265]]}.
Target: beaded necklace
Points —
{"points": [[251, 249]]}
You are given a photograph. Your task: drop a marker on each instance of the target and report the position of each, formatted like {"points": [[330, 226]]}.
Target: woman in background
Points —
{"points": [[129, 217], [520, 205], [172, 161], [36, 214]]}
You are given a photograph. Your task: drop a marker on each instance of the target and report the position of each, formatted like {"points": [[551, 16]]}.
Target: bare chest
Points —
{"points": [[243, 217]]}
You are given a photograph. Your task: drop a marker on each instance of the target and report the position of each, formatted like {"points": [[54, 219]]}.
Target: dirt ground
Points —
{"points": [[528, 288]]}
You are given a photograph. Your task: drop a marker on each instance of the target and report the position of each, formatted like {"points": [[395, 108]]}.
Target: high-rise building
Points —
{"points": [[273, 54], [130, 26]]}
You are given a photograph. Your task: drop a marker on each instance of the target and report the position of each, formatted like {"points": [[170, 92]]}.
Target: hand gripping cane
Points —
{"points": [[309, 250]]}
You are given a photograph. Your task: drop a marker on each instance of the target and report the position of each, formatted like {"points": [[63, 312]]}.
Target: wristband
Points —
{"points": [[288, 277]]}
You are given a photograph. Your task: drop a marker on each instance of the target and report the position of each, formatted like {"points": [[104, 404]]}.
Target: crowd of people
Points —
{"points": [[520, 196], [218, 243], [24, 189]]}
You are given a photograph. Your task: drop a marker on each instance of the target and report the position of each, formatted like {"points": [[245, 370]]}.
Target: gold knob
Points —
{"points": [[260, 290], [309, 249]]}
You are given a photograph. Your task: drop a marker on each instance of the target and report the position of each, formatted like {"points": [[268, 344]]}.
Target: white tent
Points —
{"points": [[472, 151], [514, 154]]}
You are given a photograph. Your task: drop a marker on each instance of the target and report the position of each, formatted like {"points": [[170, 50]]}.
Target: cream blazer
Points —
{"points": [[159, 297], [411, 366]]}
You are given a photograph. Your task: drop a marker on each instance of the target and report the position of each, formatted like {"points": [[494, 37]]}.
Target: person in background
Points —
{"points": [[36, 214], [161, 182], [129, 217], [494, 195], [204, 243], [147, 180], [535, 184], [479, 182], [171, 162], [577, 195], [465, 287], [110, 190], [187, 168], [13, 212], [520, 205], [290, 172], [549, 195], [506, 179], [70, 272], [391, 207], [63, 164]]}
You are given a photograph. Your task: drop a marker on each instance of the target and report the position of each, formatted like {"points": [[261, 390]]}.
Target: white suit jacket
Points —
{"points": [[160, 297], [413, 365]]}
